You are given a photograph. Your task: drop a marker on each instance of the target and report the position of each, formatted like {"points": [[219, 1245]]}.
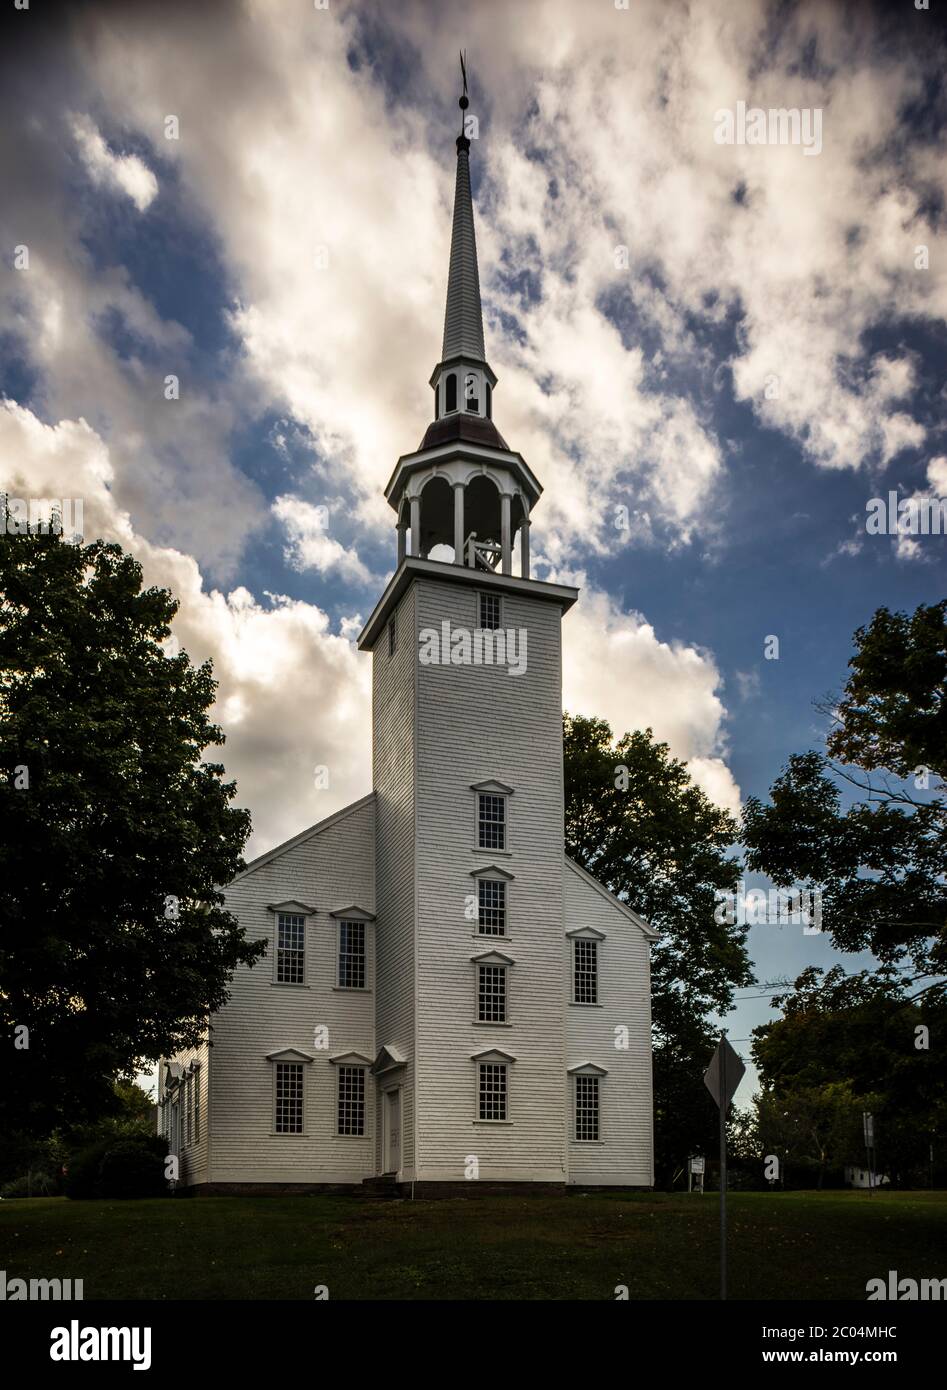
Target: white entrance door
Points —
{"points": [[392, 1131]]}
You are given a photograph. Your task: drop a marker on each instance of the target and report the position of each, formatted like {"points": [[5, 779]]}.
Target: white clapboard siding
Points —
{"points": [[330, 867], [193, 1157], [624, 1155], [478, 724], [394, 706]]}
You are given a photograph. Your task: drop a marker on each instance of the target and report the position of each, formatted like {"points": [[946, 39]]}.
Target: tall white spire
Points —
{"points": [[463, 321]]}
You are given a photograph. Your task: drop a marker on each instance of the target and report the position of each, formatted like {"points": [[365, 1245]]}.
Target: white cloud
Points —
{"points": [[616, 668], [310, 546], [293, 694], [937, 476], [126, 172]]}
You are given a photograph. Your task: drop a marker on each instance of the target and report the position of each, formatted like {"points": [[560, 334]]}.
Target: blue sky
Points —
{"points": [[285, 257]]}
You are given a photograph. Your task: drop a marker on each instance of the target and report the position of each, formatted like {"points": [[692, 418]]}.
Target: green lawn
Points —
{"points": [[782, 1245]]}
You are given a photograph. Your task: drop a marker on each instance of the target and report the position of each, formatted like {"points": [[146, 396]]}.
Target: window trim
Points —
{"points": [[598, 937], [492, 788], [595, 1082], [291, 908], [341, 922], [289, 1133], [494, 874], [489, 594], [503, 974], [498, 1120], [592, 975], [362, 1069], [586, 1069]]}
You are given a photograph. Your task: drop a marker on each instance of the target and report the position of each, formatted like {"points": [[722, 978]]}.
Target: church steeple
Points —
{"points": [[464, 497], [463, 320], [462, 380]]}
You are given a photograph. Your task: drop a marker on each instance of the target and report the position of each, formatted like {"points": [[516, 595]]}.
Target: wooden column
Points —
{"points": [[506, 549], [458, 523], [415, 526]]}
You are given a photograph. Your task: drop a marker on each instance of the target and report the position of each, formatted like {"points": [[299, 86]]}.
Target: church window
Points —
{"points": [[437, 399], [290, 948], [491, 994], [491, 821], [189, 1093], [586, 1109], [585, 971], [352, 1100], [289, 1098], [352, 955], [491, 903], [490, 611], [197, 1107], [450, 392], [470, 394], [488, 392], [493, 1091]]}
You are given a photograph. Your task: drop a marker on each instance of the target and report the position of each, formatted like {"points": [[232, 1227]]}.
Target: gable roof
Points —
{"points": [[304, 835], [600, 888]]}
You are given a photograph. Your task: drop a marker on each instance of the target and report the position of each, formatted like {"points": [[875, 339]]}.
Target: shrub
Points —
{"points": [[134, 1168], [130, 1167]]}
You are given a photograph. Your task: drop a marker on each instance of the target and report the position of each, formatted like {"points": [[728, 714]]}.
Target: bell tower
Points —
{"points": [[467, 769]]}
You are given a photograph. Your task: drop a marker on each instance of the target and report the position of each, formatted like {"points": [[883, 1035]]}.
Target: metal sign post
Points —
{"points": [[722, 1078], [868, 1123]]}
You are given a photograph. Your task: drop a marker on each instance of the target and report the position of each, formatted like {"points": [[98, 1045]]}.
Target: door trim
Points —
{"points": [[386, 1129]]}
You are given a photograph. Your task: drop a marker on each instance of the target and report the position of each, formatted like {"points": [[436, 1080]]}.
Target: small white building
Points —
{"points": [[863, 1177], [446, 996]]}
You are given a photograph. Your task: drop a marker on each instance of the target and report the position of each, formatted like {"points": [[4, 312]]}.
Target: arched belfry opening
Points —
{"points": [[436, 515], [483, 510]]}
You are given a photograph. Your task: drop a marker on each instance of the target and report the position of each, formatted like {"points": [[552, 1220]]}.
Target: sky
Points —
{"points": [[713, 355]]}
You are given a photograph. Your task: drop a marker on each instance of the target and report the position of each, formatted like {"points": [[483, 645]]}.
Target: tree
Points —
{"points": [[814, 1128], [863, 1031], [879, 863], [635, 820], [114, 943], [893, 713]]}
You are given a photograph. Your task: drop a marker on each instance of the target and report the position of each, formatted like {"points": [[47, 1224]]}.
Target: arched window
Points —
{"points": [[471, 399], [437, 400], [450, 393], [489, 396]]}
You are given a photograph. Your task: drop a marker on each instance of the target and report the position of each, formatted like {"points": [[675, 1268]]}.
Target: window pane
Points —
{"points": [[586, 1108], [492, 1091], [492, 822], [289, 1098], [490, 611], [352, 955], [491, 994], [290, 948], [450, 392], [585, 972], [352, 1100], [492, 907]]}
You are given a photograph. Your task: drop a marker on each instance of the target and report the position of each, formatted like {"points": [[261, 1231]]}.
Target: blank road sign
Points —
{"points": [[724, 1074]]}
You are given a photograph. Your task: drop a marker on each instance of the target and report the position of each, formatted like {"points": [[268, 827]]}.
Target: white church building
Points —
{"points": [[446, 997]]}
